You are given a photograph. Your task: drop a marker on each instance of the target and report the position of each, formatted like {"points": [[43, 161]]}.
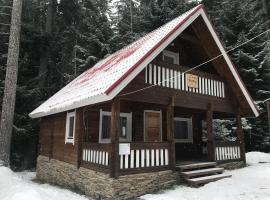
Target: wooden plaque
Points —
{"points": [[192, 80]]}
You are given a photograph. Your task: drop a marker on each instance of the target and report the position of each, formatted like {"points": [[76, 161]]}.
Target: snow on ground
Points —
{"points": [[256, 157], [18, 186], [250, 183]]}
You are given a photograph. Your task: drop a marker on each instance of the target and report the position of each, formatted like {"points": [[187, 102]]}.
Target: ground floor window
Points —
{"points": [[183, 130], [70, 127], [105, 126]]}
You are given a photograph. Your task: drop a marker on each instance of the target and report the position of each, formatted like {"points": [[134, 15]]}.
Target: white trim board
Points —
{"points": [[229, 62], [129, 126]]}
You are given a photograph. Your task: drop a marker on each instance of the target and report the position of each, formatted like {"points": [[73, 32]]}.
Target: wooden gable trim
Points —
{"points": [[229, 62]]}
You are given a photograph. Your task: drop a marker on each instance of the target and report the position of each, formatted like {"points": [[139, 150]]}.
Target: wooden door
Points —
{"points": [[152, 126]]}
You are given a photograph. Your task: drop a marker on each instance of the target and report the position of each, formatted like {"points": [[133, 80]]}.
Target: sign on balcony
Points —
{"points": [[192, 80]]}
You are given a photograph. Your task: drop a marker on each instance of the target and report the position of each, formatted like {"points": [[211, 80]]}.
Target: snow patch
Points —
{"points": [[18, 186], [249, 183], [256, 157]]}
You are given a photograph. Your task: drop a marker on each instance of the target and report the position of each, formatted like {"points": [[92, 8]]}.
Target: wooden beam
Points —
{"points": [[170, 132], [79, 132], [115, 122], [240, 136], [210, 134], [51, 139]]}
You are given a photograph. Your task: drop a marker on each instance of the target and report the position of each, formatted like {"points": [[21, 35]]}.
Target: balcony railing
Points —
{"points": [[144, 156], [96, 155], [174, 77], [227, 151]]}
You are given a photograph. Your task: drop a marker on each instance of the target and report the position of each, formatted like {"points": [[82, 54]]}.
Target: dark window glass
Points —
{"points": [[106, 127], [71, 127], [168, 59], [180, 129]]}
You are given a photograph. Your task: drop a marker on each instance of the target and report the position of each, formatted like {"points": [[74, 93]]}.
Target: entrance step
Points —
{"points": [[198, 174], [206, 179], [196, 166], [202, 172]]}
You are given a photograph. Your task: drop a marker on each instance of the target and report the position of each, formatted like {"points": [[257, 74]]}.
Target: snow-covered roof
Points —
{"points": [[108, 77]]}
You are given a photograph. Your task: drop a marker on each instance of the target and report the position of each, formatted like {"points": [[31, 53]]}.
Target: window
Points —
{"points": [[105, 127], [170, 57], [183, 130], [70, 127]]}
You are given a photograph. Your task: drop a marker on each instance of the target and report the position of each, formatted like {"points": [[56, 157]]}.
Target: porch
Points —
{"points": [[158, 150]]}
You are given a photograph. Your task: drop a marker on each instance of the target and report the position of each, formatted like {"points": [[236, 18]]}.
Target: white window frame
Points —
{"points": [[171, 54], [67, 139], [129, 126], [153, 111], [190, 130]]}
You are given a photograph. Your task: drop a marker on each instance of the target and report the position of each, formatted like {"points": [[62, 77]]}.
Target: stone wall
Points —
{"points": [[233, 165], [99, 185]]}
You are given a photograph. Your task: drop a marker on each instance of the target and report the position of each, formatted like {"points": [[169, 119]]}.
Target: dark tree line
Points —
{"points": [[61, 39]]}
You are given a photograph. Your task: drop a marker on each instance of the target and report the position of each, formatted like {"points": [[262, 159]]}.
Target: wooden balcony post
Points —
{"points": [[79, 132], [170, 133], [240, 136], [115, 122], [210, 134]]}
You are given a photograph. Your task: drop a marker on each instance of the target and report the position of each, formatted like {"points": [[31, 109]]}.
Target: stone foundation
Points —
{"points": [[233, 165], [100, 185]]}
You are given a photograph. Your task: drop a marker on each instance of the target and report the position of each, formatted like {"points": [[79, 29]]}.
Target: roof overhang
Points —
{"points": [[121, 83]]}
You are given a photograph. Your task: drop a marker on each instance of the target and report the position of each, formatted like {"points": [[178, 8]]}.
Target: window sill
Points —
{"points": [[109, 141], [69, 141], [183, 141]]}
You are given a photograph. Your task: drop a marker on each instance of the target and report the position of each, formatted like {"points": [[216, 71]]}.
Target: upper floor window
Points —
{"points": [[105, 127], [170, 57], [70, 127]]}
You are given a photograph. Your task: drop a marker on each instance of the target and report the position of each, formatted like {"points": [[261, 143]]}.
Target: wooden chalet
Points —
{"points": [[144, 109]]}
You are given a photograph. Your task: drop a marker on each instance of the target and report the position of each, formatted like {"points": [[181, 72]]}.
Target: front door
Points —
{"points": [[152, 126]]}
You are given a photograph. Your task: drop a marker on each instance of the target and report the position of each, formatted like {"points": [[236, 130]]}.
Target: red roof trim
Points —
{"points": [[116, 83]]}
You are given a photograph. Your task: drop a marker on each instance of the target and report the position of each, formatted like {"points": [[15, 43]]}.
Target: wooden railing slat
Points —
{"points": [[227, 151]]}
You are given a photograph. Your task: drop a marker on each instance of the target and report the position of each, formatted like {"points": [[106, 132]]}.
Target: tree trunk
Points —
{"points": [[45, 51], [10, 83]]}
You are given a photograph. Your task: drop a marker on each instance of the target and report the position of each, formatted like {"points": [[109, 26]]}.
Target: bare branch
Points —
{"points": [[6, 7], [4, 24], [3, 33], [5, 14]]}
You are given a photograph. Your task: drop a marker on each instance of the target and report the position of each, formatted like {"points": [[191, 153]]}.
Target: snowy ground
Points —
{"points": [[249, 183], [18, 186], [252, 182]]}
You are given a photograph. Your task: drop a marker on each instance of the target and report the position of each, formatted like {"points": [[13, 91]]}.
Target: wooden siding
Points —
{"points": [[92, 118], [52, 138]]}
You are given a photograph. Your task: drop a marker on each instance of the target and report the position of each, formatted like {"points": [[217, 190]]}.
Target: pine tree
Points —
{"points": [[238, 22]]}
